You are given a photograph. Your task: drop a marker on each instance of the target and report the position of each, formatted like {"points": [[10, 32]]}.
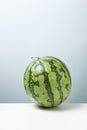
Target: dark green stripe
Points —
{"points": [[58, 76], [64, 66], [62, 70], [32, 84], [47, 85]]}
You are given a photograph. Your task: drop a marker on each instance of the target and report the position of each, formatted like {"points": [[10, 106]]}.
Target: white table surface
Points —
{"points": [[27, 116]]}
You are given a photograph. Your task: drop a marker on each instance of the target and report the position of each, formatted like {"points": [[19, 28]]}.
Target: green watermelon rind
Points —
{"points": [[47, 81]]}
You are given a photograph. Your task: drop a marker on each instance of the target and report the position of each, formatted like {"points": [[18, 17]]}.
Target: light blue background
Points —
{"points": [[42, 28]]}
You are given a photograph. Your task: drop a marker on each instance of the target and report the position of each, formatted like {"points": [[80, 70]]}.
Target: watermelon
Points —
{"points": [[47, 81]]}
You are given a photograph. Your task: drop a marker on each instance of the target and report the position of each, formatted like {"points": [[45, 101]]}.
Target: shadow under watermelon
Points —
{"points": [[62, 107]]}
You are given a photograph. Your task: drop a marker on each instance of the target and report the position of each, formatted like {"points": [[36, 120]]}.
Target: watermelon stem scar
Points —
{"points": [[35, 58]]}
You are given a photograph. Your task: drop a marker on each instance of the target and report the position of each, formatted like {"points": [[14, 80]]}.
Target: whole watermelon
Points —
{"points": [[47, 81]]}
